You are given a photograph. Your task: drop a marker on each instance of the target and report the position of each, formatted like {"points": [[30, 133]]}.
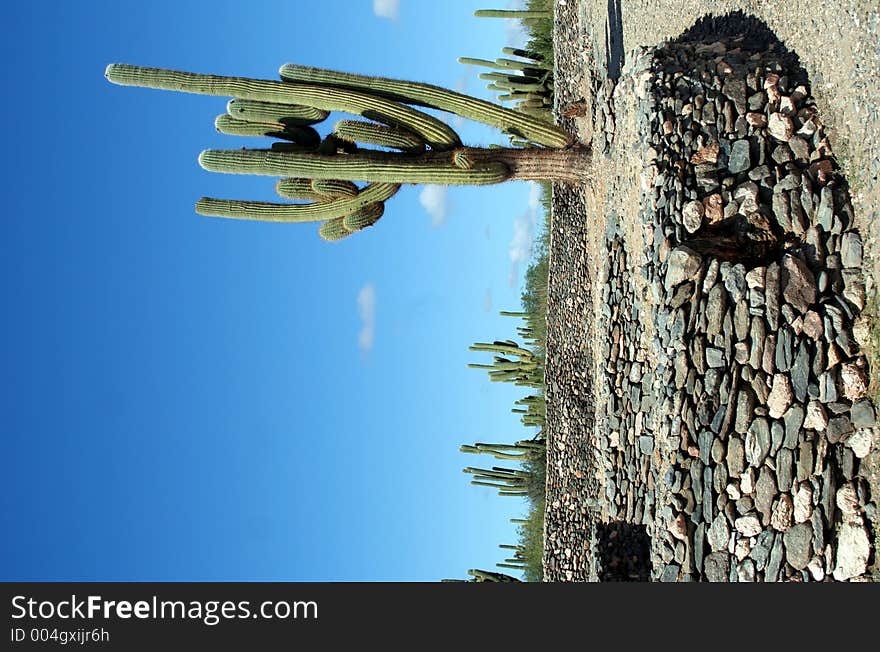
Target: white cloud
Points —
{"points": [[514, 33], [524, 227], [389, 9], [433, 200], [366, 302]]}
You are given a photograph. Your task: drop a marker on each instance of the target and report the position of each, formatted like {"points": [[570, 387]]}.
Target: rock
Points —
{"points": [[745, 408], [775, 561], [851, 249], [838, 428], [765, 493], [847, 501], [748, 526], [713, 208], [678, 527], [739, 160], [780, 396], [707, 154], [747, 481], [714, 357], [860, 443], [812, 325], [800, 372], [816, 418], [646, 444], [718, 533], [817, 569], [780, 519], [716, 567], [854, 379], [746, 571], [771, 295], [798, 541], [735, 457], [784, 462], [803, 503], [805, 461], [756, 120], [780, 126], [794, 420], [798, 283], [682, 265], [852, 549], [692, 216]]}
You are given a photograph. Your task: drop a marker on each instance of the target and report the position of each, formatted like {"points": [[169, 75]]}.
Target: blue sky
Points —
{"points": [[188, 398]]}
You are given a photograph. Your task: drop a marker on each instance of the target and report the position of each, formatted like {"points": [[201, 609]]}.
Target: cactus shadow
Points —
{"points": [[623, 552], [614, 54]]}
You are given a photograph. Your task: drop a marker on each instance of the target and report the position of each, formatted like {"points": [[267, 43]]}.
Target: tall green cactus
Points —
{"points": [[322, 171], [513, 13]]}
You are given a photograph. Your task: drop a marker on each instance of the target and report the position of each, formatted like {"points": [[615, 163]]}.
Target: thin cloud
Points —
{"points": [[389, 9], [524, 227], [514, 33], [366, 302], [433, 200]]}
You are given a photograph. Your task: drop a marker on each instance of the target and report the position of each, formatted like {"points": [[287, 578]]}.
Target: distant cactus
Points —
{"points": [[509, 13]]}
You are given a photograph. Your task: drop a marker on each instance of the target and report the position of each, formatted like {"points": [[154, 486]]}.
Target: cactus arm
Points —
{"points": [[435, 97], [333, 188], [436, 133], [314, 212], [287, 114], [372, 167], [376, 134], [363, 217]]}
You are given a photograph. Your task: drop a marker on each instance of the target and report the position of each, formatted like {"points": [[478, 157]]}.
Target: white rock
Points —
{"points": [[853, 549], [748, 526], [817, 569], [847, 500], [692, 215], [803, 503], [780, 126], [718, 533], [861, 442], [747, 481], [816, 418]]}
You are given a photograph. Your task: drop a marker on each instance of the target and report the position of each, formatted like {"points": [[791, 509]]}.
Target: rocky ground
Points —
{"points": [[708, 403]]}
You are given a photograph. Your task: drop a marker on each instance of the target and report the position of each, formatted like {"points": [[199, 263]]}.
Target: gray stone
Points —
{"points": [[718, 533], [771, 295], [798, 283], [716, 567], [739, 160], [746, 571], [777, 437], [825, 213], [775, 561], [757, 444], [805, 461], [745, 407], [735, 457], [851, 249], [765, 493], [714, 357], [800, 372], [784, 353], [799, 148], [760, 552], [794, 420], [838, 428], [784, 466], [798, 541], [862, 414]]}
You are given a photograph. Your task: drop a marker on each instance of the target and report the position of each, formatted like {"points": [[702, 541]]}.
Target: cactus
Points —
{"points": [[436, 133], [286, 114], [376, 134], [334, 188], [363, 217], [490, 576], [434, 97], [334, 229], [313, 212], [511, 13], [525, 54], [373, 167]]}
